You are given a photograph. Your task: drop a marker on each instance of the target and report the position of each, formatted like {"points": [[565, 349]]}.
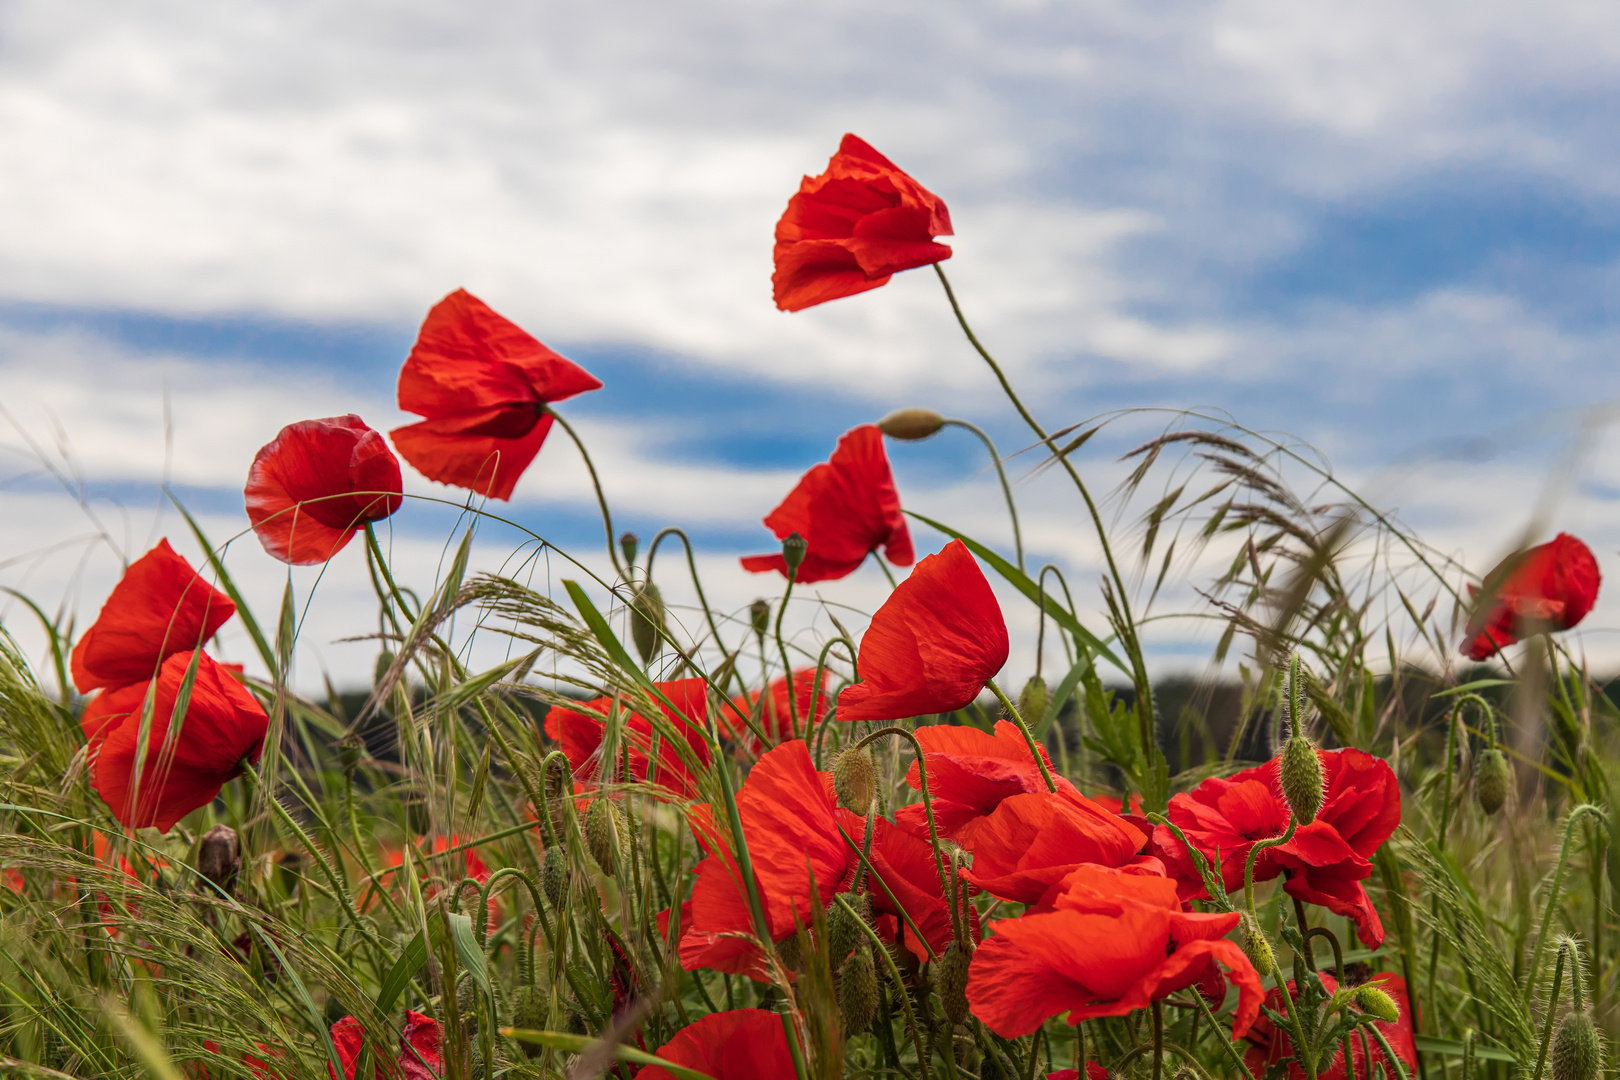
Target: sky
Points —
{"points": [[1389, 230]]}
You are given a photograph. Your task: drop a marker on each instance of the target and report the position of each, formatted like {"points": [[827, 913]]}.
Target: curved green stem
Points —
{"points": [[1034, 750], [946, 885], [596, 484], [1552, 897], [691, 565], [1552, 1012], [1226, 1039], [781, 648], [1248, 865], [815, 688], [1001, 474], [894, 974]]}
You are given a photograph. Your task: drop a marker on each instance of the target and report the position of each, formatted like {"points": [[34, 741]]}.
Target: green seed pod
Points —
{"points": [[790, 950], [858, 992], [793, 551], [759, 616], [554, 875], [1491, 776], [855, 780], [1577, 1049], [629, 543], [604, 833], [953, 980], [530, 1014], [843, 930], [1032, 700], [909, 425], [1257, 948], [1375, 1002], [647, 621], [1301, 773]]}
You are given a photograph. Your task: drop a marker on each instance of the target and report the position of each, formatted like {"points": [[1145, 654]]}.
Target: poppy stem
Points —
{"points": [[596, 484], [787, 668], [1034, 751], [1248, 865], [1158, 1038], [1534, 970], [1226, 1040], [882, 952], [1001, 474]]}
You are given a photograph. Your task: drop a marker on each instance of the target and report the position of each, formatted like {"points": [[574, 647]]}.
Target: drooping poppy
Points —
{"points": [[161, 606], [1326, 861], [1030, 842], [419, 1057], [772, 710], [313, 486], [851, 228], [970, 773], [1104, 943], [580, 732], [1549, 587], [1272, 1045], [739, 1044], [483, 385], [933, 644], [223, 729], [845, 508]]}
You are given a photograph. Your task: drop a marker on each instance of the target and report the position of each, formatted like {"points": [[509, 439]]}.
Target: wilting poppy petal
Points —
{"points": [[160, 607], [845, 508], [850, 228], [739, 1044], [316, 483], [1271, 1045], [932, 645], [1551, 586], [580, 732], [482, 384], [223, 726]]}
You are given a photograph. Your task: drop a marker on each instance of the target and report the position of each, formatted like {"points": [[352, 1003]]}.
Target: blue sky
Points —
{"points": [[1391, 231]]}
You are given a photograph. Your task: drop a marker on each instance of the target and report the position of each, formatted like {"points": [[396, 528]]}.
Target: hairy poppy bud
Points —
{"points": [[1374, 1001], [351, 750], [858, 992], [629, 543], [855, 780], [554, 875], [604, 833], [530, 1014], [759, 616], [953, 980], [1491, 780], [219, 856], [793, 549], [910, 425], [1257, 948], [1032, 700], [790, 950], [1577, 1050], [647, 621], [843, 929], [1301, 773]]}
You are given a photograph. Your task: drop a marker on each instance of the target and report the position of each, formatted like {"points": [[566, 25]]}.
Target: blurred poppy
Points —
{"points": [[1106, 943], [933, 644], [483, 385], [851, 228], [774, 716], [579, 732], [970, 772], [1548, 587], [160, 606], [739, 1044], [475, 870], [845, 508], [316, 483], [418, 1055], [1031, 842], [222, 730], [1094, 1071], [1271, 1045], [1326, 860]]}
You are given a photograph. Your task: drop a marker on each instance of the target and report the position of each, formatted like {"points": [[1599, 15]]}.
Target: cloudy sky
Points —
{"points": [[1389, 229]]}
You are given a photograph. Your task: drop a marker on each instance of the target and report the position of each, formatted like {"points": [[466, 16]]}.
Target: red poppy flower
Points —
{"points": [[223, 726], [483, 385], [1105, 944], [970, 772], [852, 227], [774, 715], [1272, 1045], [579, 731], [1094, 1071], [316, 483], [1549, 587], [418, 1048], [905, 864], [160, 606], [1326, 860], [933, 644], [1031, 842], [740, 1044], [845, 508]]}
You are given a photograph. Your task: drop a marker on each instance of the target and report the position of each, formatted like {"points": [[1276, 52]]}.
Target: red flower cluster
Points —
{"points": [[845, 508], [580, 732], [418, 1057], [316, 483], [1269, 1045], [1551, 586], [740, 1044]]}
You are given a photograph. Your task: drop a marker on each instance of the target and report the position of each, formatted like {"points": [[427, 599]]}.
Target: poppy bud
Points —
{"points": [[759, 616], [1375, 1002], [909, 425], [1491, 780], [554, 875], [351, 749], [793, 549], [791, 952], [647, 621], [1032, 700], [843, 930], [953, 980], [1257, 948], [629, 543], [219, 856], [1577, 1050], [858, 992], [385, 660], [855, 780], [604, 833], [1302, 782]]}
